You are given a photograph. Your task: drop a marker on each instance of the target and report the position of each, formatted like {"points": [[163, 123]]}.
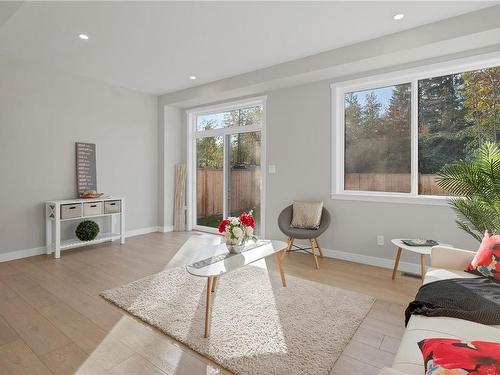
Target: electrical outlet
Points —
{"points": [[380, 240], [272, 169]]}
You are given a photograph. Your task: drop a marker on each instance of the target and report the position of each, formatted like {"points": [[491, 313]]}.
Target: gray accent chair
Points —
{"points": [[284, 221]]}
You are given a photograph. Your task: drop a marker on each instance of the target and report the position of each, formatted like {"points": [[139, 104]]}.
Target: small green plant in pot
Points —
{"points": [[87, 230], [476, 185]]}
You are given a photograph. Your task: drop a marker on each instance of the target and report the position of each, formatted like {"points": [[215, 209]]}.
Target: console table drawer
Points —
{"points": [[92, 208], [69, 211], [112, 207]]}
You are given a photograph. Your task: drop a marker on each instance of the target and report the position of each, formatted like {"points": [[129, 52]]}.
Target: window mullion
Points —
{"points": [[341, 143], [414, 137]]}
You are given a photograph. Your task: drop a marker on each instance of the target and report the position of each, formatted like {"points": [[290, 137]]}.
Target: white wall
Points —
{"points": [[171, 141], [298, 130], [42, 114], [299, 144]]}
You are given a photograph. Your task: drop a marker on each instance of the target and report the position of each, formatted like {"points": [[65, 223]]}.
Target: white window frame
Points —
{"points": [[412, 76], [194, 134]]}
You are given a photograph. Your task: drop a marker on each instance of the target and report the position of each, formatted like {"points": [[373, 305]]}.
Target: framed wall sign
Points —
{"points": [[86, 176]]}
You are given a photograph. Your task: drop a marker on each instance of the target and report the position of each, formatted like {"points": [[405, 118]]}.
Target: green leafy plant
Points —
{"points": [[476, 185], [87, 230]]}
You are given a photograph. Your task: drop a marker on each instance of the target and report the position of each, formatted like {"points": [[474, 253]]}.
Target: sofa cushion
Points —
{"points": [[435, 274], [409, 358], [486, 262], [457, 327], [454, 355]]}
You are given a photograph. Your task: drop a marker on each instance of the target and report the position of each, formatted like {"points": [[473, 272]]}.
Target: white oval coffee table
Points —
{"points": [[422, 250], [216, 261]]}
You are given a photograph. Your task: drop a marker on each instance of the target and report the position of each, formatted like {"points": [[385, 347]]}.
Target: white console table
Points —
{"points": [[60, 211]]}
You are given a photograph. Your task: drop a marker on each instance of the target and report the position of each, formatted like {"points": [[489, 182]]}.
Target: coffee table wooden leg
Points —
{"points": [[208, 305], [422, 261], [279, 262], [396, 263], [214, 283]]}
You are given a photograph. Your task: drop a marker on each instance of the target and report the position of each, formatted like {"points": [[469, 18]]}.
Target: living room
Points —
{"points": [[249, 187]]}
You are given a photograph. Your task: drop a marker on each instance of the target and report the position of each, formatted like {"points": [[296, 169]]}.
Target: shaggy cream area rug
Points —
{"points": [[258, 327]]}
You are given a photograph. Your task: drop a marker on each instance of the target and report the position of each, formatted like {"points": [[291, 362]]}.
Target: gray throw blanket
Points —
{"points": [[477, 300]]}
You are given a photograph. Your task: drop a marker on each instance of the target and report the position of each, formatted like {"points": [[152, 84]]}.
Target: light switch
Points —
{"points": [[272, 169]]}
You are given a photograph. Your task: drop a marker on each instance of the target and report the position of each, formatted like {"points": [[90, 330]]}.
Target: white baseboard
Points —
{"points": [[169, 228], [140, 231], [25, 253], [372, 261], [352, 257], [18, 254]]}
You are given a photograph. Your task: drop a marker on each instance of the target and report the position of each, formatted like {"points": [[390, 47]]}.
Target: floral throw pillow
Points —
{"points": [[486, 262], [456, 357]]}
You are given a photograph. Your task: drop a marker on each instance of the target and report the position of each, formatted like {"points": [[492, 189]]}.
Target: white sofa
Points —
{"points": [[446, 263]]}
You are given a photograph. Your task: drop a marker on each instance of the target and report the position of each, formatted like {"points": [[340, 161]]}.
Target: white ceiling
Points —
{"points": [[154, 47]]}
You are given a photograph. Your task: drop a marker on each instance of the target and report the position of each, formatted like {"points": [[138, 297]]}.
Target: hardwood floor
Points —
{"points": [[52, 320]]}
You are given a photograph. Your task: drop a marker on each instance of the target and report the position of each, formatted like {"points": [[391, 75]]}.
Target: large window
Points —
{"points": [[456, 114], [395, 135], [225, 176], [251, 115], [377, 139]]}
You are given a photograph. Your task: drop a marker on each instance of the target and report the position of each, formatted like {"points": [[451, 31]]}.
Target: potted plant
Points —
{"points": [[87, 230], [237, 231], [476, 185]]}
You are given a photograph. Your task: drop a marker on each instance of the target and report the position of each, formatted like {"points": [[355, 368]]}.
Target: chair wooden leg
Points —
{"points": [[288, 246], [314, 254], [319, 248]]}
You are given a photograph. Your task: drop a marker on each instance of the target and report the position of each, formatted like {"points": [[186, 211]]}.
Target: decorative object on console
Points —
{"points": [[452, 356], [87, 230], [475, 183], [306, 215], [90, 194], [486, 262], [86, 174], [237, 231], [284, 221]]}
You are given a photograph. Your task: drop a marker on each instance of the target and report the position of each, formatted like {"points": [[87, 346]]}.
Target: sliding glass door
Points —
{"points": [[225, 170], [244, 179], [209, 180]]}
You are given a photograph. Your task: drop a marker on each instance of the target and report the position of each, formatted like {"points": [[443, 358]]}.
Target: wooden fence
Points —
{"points": [[392, 182], [245, 190], [246, 185]]}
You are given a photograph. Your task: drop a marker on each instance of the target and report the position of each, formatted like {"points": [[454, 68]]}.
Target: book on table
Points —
{"points": [[420, 242]]}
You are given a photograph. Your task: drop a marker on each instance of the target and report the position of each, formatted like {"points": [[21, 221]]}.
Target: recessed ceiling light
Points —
{"points": [[83, 36], [398, 17], [192, 77]]}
